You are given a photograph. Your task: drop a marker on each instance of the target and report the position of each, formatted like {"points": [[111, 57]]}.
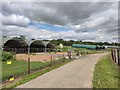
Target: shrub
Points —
{"points": [[7, 55]]}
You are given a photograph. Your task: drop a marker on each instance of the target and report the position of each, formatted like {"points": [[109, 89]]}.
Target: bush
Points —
{"points": [[7, 55]]}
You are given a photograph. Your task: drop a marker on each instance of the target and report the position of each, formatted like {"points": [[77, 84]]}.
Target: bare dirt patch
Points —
{"points": [[40, 56]]}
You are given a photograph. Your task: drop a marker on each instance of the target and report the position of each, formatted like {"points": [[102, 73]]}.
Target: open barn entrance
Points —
{"points": [[37, 46], [50, 47], [20, 46], [16, 45]]}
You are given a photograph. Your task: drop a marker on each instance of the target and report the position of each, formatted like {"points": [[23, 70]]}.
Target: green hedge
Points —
{"points": [[7, 56]]}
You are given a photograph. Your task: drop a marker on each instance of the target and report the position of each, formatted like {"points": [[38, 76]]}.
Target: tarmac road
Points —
{"points": [[76, 74]]}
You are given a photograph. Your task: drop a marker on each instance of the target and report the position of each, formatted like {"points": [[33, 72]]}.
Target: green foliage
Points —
{"points": [[21, 37], [65, 48], [70, 42], [27, 78], [81, 51], [7, 56], [106, 74], [18, 68]]}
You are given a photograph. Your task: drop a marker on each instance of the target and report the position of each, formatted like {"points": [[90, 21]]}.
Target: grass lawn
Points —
{"points": [[27, 78], [106, 74], [20, 67]]}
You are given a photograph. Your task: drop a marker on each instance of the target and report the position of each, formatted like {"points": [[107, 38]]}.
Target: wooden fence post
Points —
{"points": [[63, 56], [115, 55], [118, 57], [112, 54], [28, 65], [51, 59]]}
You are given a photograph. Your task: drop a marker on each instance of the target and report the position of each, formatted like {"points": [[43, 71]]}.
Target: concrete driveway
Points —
{"points": [[76, 74]]}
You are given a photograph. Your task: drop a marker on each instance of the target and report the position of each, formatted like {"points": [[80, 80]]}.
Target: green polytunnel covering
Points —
{"points": [[84, 46]]}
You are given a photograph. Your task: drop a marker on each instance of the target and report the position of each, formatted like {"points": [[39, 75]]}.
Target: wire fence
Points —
{"points": [[13, 69], [115, 53], [33, 62]]}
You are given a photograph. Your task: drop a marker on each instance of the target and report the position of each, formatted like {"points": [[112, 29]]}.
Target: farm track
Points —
{"points": [[76, 74]]}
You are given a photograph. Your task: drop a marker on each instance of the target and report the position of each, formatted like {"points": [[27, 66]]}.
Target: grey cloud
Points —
{"points": [[16, 20], [55, 13], [88, 15], [32, 32]]}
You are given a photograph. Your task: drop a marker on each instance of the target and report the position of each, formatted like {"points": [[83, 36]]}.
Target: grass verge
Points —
{"points": [[19, 68], [36, 74], [106, 74]]}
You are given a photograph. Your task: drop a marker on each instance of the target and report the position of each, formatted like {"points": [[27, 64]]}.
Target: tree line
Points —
{"points": [[70, 42]]}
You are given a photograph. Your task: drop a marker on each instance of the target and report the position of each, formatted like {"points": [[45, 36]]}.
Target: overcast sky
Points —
{"points": [[88, 21]]}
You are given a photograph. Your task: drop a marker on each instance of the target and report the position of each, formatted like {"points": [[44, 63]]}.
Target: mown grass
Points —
{"points": [[27, 78], [106, 74], [18, 68]]}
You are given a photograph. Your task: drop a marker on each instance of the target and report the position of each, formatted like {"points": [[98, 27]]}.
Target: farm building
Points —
{"points": [[20, 46], [94, 47]]}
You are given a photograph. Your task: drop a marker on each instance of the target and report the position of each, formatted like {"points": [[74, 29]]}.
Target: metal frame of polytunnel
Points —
{"points": [[37, 46], [27, 41], [5, 39], [11, 39], [46, 43]]}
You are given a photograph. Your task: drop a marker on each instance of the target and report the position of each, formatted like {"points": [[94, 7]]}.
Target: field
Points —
{"points": [[42, 57], [106, 74], [38, 61], [33, 75], [19, 64], [18, 68]]}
